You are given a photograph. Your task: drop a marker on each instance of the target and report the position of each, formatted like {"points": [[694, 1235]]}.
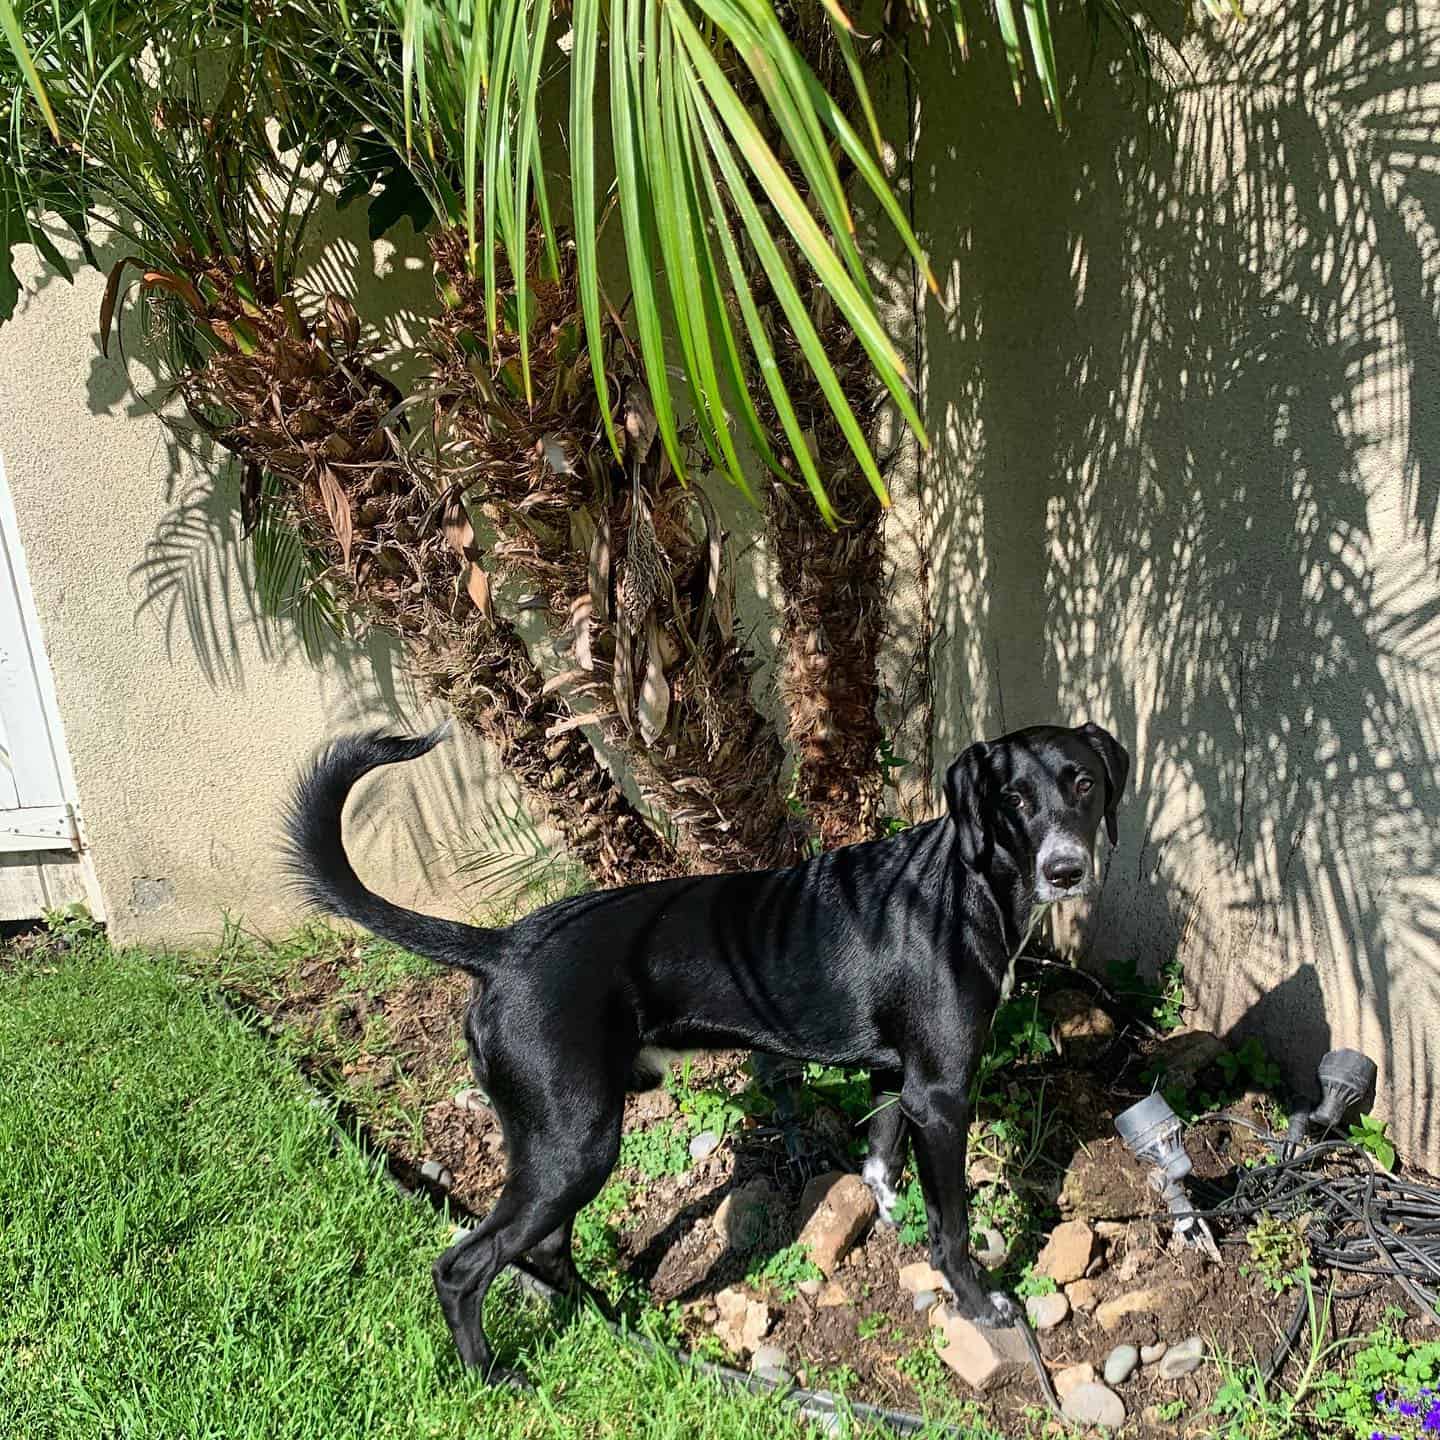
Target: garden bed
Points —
{"points": [[699, 1226]]}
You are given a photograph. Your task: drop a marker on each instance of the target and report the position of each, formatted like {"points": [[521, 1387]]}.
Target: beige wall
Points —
{"points": [[1181, 385], [1182, 388], [187, 713]]}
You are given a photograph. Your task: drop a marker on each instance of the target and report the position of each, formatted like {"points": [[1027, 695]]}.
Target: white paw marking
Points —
{"points": [[886, 1196]]}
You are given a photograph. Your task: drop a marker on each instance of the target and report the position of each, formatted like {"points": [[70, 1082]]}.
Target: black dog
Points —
{"points": [[891, 955]]}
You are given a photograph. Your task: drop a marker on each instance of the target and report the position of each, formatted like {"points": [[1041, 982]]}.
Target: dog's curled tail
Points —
{"points": [[315, 852]]}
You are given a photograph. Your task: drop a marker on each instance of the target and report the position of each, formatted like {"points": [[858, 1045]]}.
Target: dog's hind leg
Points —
{"points": [[888, 1135], [553, 1260], [562, 1146]]}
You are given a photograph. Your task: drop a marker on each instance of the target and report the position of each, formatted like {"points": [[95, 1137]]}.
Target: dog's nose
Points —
{"points": [[1065, 872]]}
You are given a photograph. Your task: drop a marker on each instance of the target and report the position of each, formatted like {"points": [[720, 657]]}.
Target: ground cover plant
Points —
{"points": [[706, 1204]]}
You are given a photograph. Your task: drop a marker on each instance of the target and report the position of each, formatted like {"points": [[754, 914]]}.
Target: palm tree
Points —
{"points": [[738, 132]]}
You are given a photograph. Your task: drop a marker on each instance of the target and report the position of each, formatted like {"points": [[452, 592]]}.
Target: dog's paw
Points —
{"points": [[1004, 1311], [502, 1377], [887, 1198]]}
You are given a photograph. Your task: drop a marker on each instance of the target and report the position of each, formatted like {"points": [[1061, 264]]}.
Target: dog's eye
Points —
{"points": [[1084, 785], [1012, 799]]}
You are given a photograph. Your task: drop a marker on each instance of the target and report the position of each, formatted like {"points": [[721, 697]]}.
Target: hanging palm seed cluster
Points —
{"points": [[631, 565]]}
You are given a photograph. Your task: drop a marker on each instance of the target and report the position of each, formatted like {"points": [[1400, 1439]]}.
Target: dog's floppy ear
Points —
{"points": [[1116, 760], [967, 787]]}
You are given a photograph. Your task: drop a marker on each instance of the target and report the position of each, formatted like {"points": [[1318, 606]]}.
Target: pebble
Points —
{"points": [[1094, 1405], [1047, 1311], [920, 1276], [703, 1144], [810, 1287], [436, 1174], [924, 1299], [472, 1099], [770, 1362], [1112, 1312], [991, 1250], [1181, 1359], [1149, 1354], [1120, 1364], [1066, 1380]]}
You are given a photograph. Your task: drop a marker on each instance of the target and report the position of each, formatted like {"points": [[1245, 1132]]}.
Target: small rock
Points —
{"points": [[982, 1171], [1183, 1057], [1120, 1364], [1113, 1311], [704, 1144], [1133, 1263], [1083, 1294], [1094, 1405], [436, 1174], [771, 1363], [1047, 1311], [1066, 1380], [653, 1105], [832, 1296], [742, 1219], [981, 1358], [1181, 1359], [472, 1099], [991, 1250], [924, 1299], [920, 1276], [1081, 1026], [1149, 1354], [741, 1322], [840, 1208], [1111, 1229], [810, 1287], [1067, 1252]]}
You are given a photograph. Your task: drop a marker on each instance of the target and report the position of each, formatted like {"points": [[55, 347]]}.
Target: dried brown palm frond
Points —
{"points": [[631, 563], [305, 405]]}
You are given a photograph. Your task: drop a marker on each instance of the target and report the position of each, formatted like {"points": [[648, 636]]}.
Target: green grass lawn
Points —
{"points": [[186, 1252]]}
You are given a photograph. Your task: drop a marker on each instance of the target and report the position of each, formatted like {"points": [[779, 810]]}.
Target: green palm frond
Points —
{"points": [[506, 857], [732, 162], [692, 168], [155, 125], [289, 577]]}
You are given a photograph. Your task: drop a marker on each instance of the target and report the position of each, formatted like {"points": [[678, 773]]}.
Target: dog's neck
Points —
{"points": [[1015, 908], [1014, 896]]}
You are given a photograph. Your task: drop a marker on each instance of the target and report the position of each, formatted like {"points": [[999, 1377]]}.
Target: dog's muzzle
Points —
{"points": [[1063, 871]]}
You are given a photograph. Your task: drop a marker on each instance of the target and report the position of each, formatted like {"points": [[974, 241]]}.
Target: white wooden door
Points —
{"points": [[38, 804]]}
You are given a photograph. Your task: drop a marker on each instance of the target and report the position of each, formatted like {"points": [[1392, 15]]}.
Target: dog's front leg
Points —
{"points": [[939, 1114], [888, 1138]]}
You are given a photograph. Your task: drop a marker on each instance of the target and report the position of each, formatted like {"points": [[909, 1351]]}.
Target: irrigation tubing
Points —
{"points": [[1359, 1219]]}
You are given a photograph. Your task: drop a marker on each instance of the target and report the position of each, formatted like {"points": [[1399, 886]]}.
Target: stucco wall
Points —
{"points": [[1181, 384], [1186, 466], [188, 713]]}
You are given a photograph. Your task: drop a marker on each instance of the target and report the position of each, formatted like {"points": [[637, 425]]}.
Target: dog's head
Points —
{"points": [[1039, 796]]}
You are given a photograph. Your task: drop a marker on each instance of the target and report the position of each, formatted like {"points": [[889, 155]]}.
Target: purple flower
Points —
{"points": [[1407, 1408]]}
